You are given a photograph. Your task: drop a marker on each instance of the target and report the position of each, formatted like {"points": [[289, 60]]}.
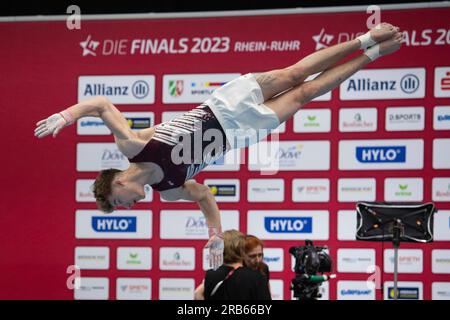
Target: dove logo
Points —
{"points": [[288, 224], [381, 154], [114, 224]]}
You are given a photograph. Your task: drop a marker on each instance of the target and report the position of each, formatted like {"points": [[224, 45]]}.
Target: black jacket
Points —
{"points": [[243, 284]]}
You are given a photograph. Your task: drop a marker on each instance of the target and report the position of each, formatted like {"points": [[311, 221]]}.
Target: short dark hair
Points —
{"points": [[102, 188]]}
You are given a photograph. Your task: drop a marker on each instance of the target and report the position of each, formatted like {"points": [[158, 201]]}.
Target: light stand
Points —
{"points": [[396, 222]]}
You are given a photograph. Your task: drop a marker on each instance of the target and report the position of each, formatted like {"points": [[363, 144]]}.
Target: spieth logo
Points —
{"points": [[114, 224], [394, 154], [176, 87], [89, 46], [288, 224]]}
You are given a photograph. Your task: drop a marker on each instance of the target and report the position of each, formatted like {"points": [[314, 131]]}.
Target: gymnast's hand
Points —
{"points": [[51, 125], [215, 245]]}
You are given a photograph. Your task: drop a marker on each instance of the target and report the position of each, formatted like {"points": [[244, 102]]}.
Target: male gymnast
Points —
{"points": [[253, 101]]}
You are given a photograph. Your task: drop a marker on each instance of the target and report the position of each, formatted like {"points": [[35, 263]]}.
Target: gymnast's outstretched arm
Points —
{"points": [[95, 107], [126, 139], [200, 193]]}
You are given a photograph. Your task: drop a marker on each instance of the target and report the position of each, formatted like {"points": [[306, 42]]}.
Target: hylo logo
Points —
{"points": [[114, 224], [288, 224], [381, 154]]}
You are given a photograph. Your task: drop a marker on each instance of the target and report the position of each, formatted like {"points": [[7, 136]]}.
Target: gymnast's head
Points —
{"points": [[112, 189]]}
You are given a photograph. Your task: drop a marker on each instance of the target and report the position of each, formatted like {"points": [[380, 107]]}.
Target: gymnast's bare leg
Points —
{"points": [[285, 91]]}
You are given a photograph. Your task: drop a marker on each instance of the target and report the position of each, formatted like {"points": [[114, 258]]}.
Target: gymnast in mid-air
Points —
{"points": [[167, 157]]}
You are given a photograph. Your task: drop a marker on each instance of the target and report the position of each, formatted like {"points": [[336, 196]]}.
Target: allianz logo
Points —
{"points": [[139, 89], [408, 84]]}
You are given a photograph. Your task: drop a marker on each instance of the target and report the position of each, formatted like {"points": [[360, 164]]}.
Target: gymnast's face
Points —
{"points": [[254, 257], [126, 194]]}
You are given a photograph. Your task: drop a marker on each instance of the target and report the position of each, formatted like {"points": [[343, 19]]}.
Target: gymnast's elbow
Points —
{"points": [[103, 103]]}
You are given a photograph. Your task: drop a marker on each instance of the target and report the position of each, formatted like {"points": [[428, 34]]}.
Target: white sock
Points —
{"points": [[366, 41], [373, 52]]}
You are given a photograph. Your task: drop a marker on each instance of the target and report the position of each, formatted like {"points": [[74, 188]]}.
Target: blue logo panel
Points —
{"points": [[375, 154], [288, 224], [114, 224]]}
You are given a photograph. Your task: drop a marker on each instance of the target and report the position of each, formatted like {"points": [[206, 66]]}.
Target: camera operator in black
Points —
{"points": [[233, 281]]}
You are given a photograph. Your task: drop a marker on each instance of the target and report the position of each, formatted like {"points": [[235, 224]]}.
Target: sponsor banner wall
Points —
{"points": [[382, 135]]}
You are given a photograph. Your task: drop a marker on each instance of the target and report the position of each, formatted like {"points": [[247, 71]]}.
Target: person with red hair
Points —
{"points": [[254, 255]]}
